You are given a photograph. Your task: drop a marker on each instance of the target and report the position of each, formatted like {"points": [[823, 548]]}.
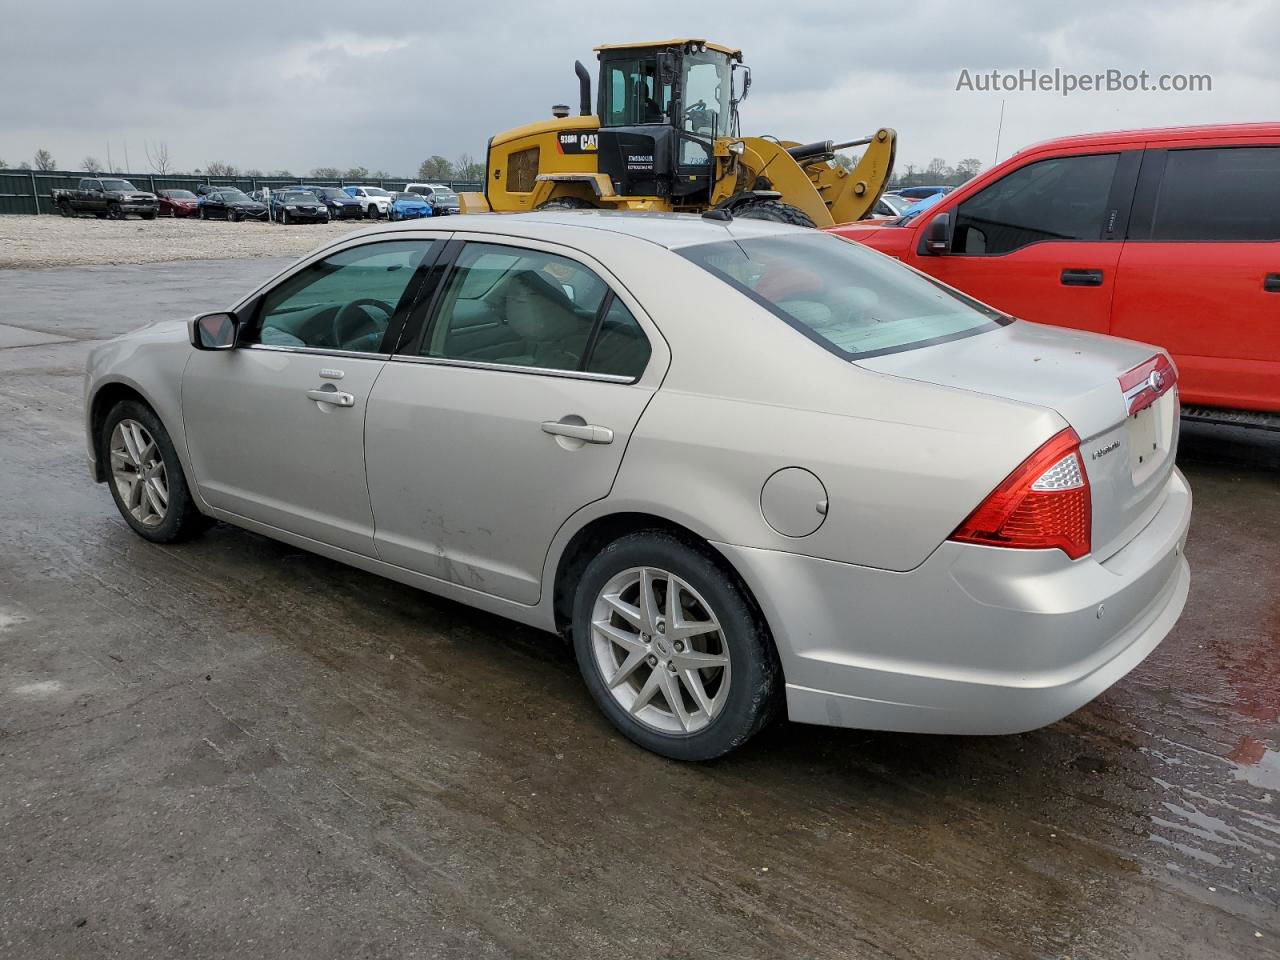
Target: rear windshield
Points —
{"points": [[855, 302]]}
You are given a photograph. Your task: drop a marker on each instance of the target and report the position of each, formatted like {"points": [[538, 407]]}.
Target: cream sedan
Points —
{"points": [[745, 468]]}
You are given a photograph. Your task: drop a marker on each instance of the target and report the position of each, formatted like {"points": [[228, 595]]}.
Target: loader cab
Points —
{"points": [[661, 108]]}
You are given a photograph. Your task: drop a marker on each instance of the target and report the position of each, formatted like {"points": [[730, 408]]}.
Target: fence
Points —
{"points": [[28, 191]]}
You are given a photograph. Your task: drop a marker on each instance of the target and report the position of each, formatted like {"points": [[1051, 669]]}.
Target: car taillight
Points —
{"points": [[1044, 503], [1147, 382]]}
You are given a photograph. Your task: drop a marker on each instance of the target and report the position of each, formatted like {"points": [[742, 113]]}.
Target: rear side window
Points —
{"points": [[530, 308], [1063, 198], [1228, 193], [853, 301]]}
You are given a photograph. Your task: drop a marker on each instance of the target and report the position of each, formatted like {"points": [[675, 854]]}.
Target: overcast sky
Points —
{"points": [[383, 85]]}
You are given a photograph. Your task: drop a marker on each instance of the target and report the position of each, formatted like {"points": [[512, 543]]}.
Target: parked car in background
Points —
{"points": [[375, 200], [178, 203], [409, 206], [204, 189], [1169, 236], [919, 193], [297, 206], [878, 502], [443, 200], [888, 207], [341, 205], [233, 205], [106, 197]]}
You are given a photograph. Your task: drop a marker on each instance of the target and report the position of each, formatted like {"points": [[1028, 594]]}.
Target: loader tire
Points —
{"points": [[566, 203], [774, 210]]}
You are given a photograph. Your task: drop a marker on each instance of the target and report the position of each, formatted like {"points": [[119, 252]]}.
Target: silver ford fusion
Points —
{"points": [[743, 467]]}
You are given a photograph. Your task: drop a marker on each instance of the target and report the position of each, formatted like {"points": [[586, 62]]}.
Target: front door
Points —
{"points": [[1042, 242], [275, 427], [510, 412], [1200, 274]]}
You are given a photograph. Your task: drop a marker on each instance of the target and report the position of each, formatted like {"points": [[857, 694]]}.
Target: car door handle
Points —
{"points": [[1082, 278], [1271, 284], [578, 431], [335, 397]]}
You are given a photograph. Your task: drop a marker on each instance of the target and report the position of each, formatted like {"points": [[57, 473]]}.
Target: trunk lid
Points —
{"points": [[1128, 457]]}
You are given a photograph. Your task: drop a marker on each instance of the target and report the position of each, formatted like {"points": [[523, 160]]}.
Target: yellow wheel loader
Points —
{"points": [[664, 136]]}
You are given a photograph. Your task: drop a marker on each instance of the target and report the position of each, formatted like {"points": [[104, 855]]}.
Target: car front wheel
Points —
{"points": [[145, 475], [672, 649]]}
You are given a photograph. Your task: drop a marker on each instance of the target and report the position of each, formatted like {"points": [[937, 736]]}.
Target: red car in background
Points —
{"points": [[178, 203], [1168, 236]]}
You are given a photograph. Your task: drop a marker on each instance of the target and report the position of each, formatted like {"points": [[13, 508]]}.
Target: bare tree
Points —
{"points": [[91, 165], [216, 168], [253, 172], [281, 173], [938, 169], [380, 175], [327, 173], [969, 167], [356, 173], [466, 168], [44, 160], [158, 156]]}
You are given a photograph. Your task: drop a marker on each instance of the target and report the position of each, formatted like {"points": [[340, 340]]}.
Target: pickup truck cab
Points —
{"points": [[443, 200], [1168, 236], [106, 197]]}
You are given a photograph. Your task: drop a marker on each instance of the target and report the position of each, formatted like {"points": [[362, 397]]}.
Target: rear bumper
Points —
{"points": [[976, 640]]}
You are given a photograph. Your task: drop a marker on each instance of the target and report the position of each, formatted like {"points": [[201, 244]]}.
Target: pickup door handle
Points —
{"points": [[336, 397], [1271, 284], [1082, 278], [578, 431]]}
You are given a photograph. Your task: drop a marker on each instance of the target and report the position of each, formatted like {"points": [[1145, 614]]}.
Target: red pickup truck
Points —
{"points": [[1168, 236]]}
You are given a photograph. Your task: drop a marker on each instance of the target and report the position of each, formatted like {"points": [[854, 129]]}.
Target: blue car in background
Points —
{"points": [[409, 206], [920, 193]]}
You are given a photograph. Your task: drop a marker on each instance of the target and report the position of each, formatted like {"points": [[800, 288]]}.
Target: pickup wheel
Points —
{"points": [[64, 209], [147, 216], [100, 214], [115, 213]]}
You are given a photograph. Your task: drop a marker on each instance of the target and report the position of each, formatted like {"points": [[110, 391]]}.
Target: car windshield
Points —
{"points": [[376, 192], [333, 193], [917, 208], [234, 195], [408, 196], [297, 196], [853, 301], [117, 185], [443, 194], [179, 194]]}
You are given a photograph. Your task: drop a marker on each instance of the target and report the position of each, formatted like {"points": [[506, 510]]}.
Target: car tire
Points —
{"points": [[64, 209], [100, 214], [148, 216], [739, 690], [774, 210], [563, 203], [284, 218], [204, 214], [233, 215], [127, 426], [115, 213]]}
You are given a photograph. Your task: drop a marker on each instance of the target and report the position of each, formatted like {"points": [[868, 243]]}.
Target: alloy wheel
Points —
{"points": [[660, 650], [137, 469]]}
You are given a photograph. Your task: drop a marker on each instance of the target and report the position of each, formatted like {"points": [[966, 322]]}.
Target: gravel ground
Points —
{"points": [[50, 241]]}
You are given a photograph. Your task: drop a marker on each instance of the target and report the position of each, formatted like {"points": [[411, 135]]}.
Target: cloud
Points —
{"points": [[385, 84]]}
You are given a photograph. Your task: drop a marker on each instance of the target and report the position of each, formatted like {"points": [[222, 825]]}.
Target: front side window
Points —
{"points": [[1063, 198], [706, 94], [1229, 193], [343, 302], [855, 302], [634, 94], [526, 308]]}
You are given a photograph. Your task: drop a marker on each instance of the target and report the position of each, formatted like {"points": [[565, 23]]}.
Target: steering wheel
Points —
{"points": [[699, 107], [349, 321]]}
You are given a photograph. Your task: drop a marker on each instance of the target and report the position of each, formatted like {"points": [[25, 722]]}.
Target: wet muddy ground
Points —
{"points": [[236, 749]]}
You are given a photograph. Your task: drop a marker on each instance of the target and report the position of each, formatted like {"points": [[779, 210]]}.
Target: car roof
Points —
{"points": [[1202, 131], [670, 230]]}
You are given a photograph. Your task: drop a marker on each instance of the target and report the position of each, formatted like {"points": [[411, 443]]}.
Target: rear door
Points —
{"points": [[1043, 241], [506, 413], [1200, 273]]}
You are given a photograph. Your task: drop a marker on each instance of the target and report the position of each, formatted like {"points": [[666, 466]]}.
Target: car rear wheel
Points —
{"points": [[115, 213], [204, 214], [672, 649], [64, 208], [284, 217], [146, 478], [233, 215]]}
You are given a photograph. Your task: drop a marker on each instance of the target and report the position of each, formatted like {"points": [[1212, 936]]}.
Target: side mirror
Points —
{"points": [[735, 94], [214, 331], [937, 238], [666, 68]]}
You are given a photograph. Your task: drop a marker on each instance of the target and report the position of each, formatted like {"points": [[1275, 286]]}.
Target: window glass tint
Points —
{"points": [[515, 306], [1064, 198], [621, 348], [1232, 193], [631, 93], [853, 301], [343, 302]]}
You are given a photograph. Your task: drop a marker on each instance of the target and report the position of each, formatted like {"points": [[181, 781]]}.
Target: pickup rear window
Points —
{"points": [[855, 302]]}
